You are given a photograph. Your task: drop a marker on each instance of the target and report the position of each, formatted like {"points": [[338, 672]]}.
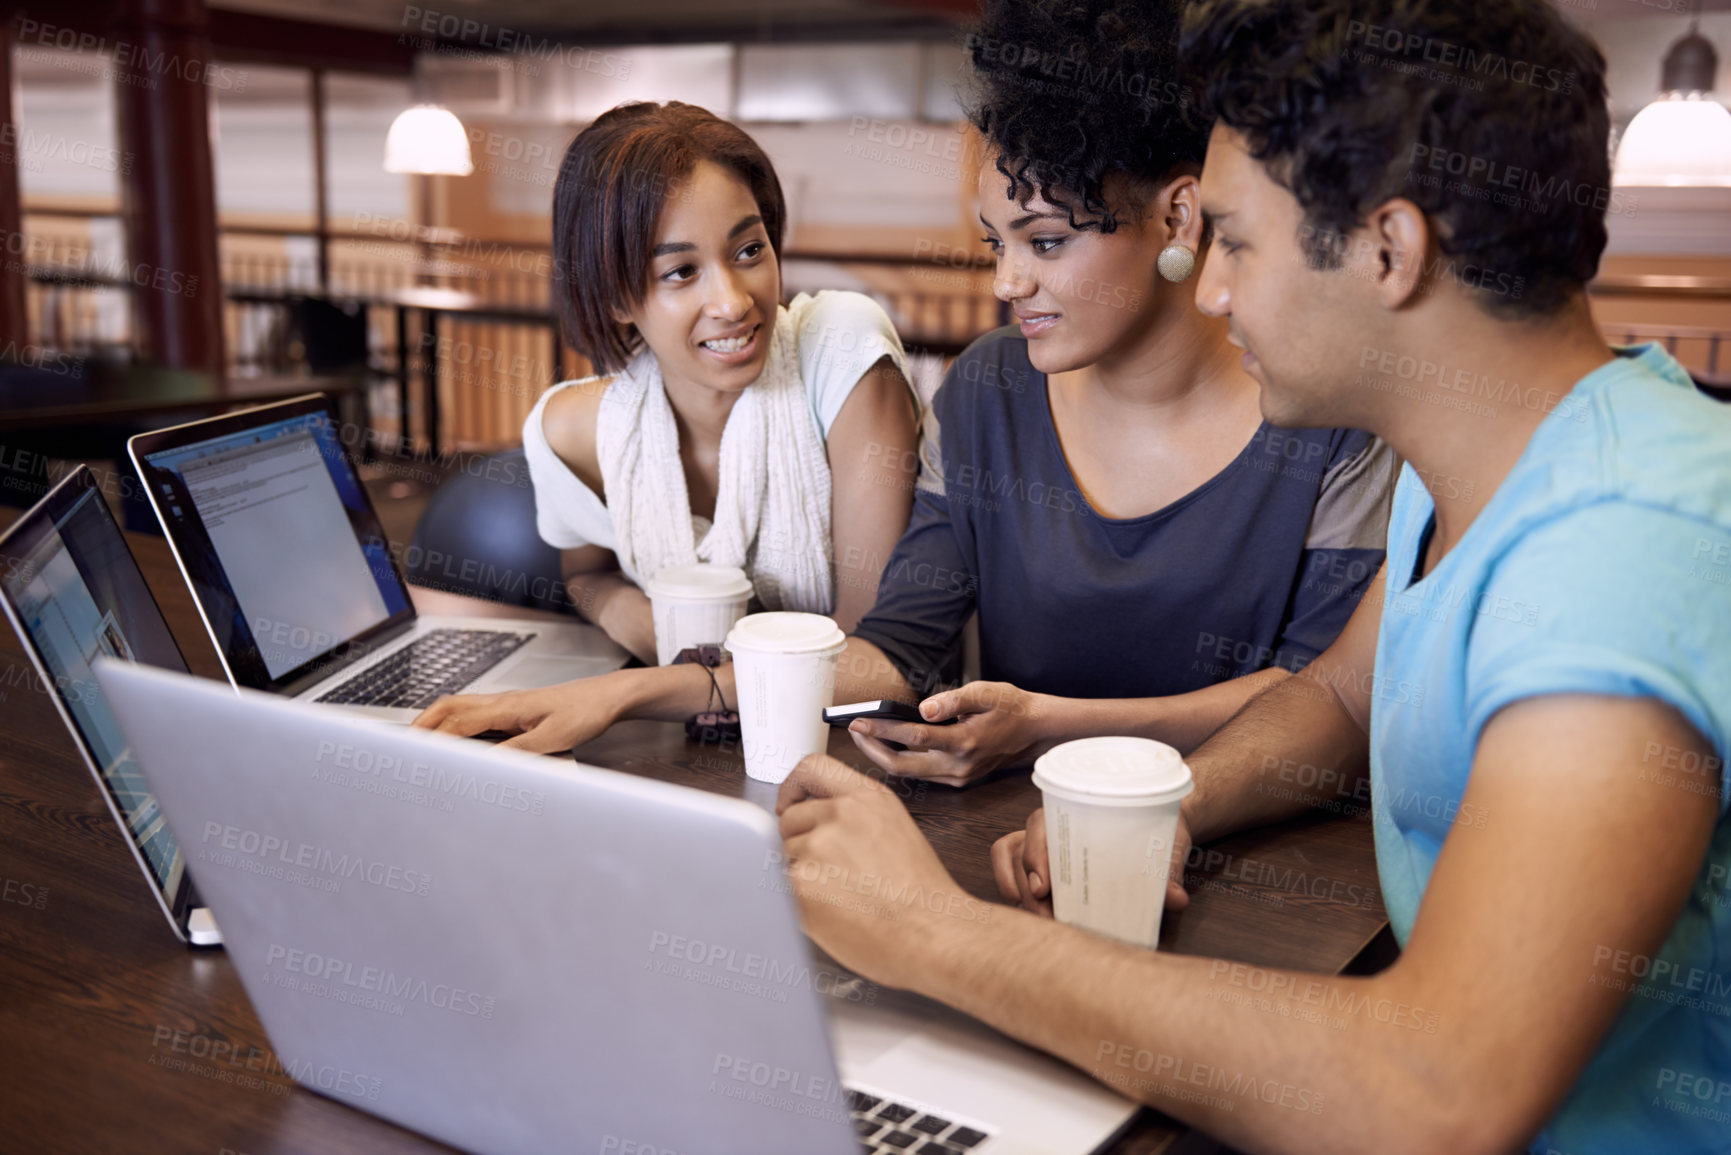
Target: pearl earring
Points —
{"points": [[1177, 263]]}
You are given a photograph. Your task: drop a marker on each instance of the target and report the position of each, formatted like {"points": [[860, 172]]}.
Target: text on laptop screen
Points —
{"points": [[296, 552], [80, 596]]}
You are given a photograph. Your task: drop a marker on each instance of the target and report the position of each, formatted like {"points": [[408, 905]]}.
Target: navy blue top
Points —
{"points": [[1262, 564]]}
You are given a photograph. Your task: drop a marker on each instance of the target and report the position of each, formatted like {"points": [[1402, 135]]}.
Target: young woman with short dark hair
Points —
{"points": [[724, 428]]}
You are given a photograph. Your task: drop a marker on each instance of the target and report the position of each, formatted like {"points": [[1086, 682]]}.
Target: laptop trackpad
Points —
{"points": [[949, 1062]]}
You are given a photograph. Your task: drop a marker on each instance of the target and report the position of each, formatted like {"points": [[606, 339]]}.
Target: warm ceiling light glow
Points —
{"points": [[1682, 142], [428, 139], [1682, 139]]}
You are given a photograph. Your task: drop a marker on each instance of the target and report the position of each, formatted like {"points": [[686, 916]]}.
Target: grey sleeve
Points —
{"points": [[1343, 548]]}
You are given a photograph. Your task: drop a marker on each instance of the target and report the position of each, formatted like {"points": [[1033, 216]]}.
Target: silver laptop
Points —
{"points": [[515, 954], [72, 591], [299, 588]]}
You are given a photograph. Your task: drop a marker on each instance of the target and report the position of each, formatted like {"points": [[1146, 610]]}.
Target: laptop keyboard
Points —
{"points": [[886, 1127], [438, 662]]}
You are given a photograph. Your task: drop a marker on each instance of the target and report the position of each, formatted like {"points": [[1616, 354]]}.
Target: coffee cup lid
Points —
{"points": [[699, 580], [1114, 771], [780, 632]]}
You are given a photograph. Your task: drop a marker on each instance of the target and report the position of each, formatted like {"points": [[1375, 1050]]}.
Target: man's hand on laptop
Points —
{"points": [[866, 878], [546, 721], [1020, 864]]}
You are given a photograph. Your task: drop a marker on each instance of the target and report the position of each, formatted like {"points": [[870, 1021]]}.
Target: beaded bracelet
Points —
{"points": [[710, 725]]}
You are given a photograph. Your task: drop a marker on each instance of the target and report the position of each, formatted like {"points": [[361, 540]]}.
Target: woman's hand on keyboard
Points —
{"points": [[546, 721]]}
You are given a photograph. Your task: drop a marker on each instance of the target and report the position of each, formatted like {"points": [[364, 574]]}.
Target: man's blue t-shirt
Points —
{"points": [[1602, 565]]}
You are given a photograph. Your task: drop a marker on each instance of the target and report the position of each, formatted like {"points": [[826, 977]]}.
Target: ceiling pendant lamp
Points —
{"points": [[428, 139], [1682, 139]]}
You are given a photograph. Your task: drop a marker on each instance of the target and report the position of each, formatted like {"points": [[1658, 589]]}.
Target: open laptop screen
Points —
{"points": [[76, 594], [277, 537]]}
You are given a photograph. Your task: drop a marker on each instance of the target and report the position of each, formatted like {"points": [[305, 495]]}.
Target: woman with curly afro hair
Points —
{"points": [[1144, 551]]}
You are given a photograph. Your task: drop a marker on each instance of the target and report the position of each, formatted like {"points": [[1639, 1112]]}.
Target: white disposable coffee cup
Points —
{"points": [[695, 605], [784, 671], [1111, 817]]}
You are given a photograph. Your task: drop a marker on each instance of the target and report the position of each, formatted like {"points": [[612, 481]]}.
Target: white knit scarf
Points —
{"points": [[772, 511]]}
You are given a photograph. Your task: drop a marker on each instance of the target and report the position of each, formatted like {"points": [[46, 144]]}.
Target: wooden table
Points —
{"points": [[94, 987]]}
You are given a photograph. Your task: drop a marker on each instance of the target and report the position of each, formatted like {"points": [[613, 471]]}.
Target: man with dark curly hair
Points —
{"points": [[1407, 199]]}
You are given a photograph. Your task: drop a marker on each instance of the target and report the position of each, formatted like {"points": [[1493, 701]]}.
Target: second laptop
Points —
{"points": [[297, 584]]}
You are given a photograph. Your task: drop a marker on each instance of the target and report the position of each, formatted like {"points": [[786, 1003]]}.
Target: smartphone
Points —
{"points": [[886, 708]]}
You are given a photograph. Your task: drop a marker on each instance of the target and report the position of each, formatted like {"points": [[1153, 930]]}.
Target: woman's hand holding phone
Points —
{"points": [[962, 735]]}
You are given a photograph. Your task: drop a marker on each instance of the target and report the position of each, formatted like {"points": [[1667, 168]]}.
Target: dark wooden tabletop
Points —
{"points": [[118, 1038]]}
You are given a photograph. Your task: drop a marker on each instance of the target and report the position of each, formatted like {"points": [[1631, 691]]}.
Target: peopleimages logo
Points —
{"points": [[1168, 1069], [1458, 58], [768, 1085], [1706, 1096], [130, 58], [322, 968], [224, 1062], [725, 966], [346, 763], [431, 22], [250, 850]]}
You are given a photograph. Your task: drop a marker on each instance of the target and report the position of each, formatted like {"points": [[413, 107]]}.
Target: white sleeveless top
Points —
{"points": [[838, 335]]}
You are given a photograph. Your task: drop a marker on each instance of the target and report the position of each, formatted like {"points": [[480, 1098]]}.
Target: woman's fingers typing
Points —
{"points": [[465, 715]]}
